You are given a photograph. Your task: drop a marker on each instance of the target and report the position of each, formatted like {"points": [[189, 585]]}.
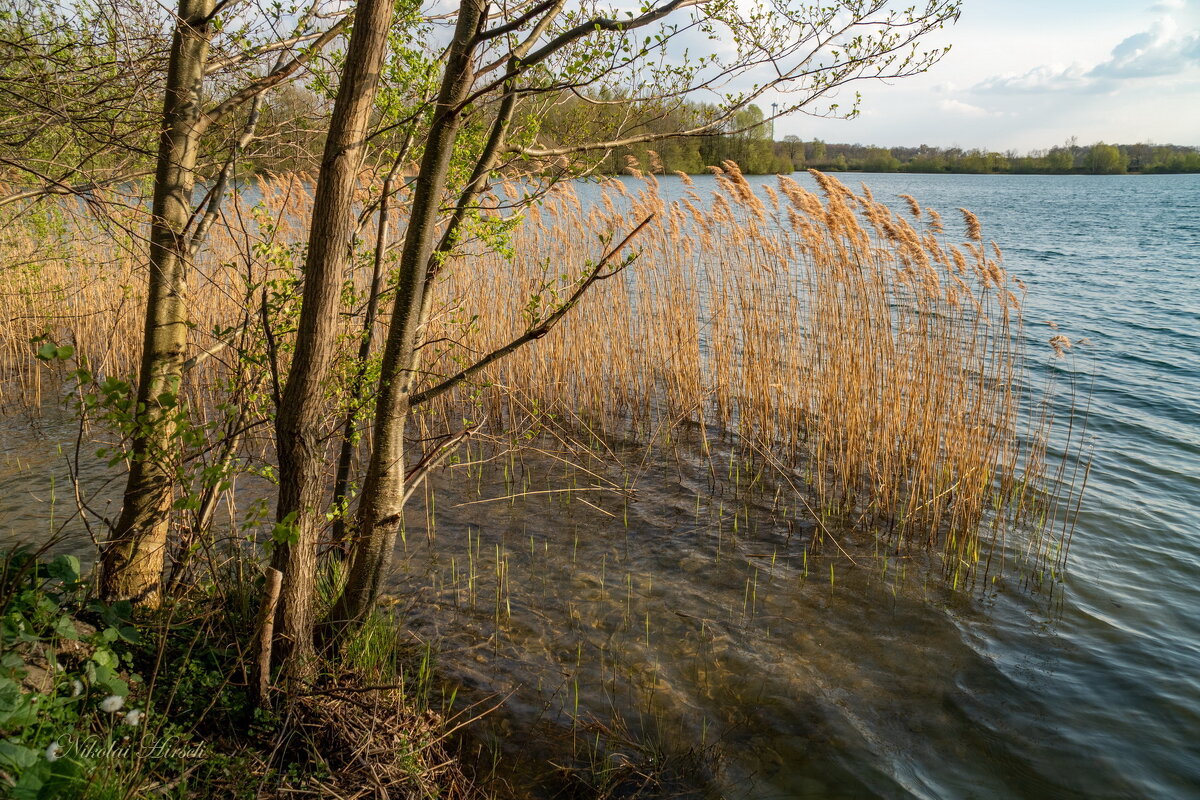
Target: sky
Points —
{"points": [[1030, 74]]}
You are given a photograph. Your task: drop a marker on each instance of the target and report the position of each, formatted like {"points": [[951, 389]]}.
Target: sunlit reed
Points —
{"points": [[868, 360]]}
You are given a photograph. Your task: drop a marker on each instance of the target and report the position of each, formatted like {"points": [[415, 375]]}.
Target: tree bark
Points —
{"points": [[341, 479], [299, 432], [132, 560], [381, 504]]}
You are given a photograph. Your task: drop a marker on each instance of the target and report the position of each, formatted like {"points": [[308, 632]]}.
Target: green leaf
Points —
{"points": [[31, 784], [65, 628], [66, 776], [65, 568], [16, 708], [286, 531], [104, 657], [188, 502], [113, 684], [47, 351], [17, 756]]}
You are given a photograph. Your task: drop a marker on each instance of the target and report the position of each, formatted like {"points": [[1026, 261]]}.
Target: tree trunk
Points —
{"points": [[298, 428], [132, 560], [381, 504], [341, 479]]}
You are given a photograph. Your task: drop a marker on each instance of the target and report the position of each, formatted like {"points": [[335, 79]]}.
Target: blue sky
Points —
{"points": [[1024, 74]]}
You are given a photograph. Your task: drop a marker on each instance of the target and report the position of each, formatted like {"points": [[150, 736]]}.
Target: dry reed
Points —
{"points": [[875, 361]]}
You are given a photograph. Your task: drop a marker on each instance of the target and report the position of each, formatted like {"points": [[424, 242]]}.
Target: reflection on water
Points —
{"points": [[699, 620]]}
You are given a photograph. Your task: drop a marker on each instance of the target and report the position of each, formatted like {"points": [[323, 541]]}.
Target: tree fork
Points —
{"points": [[382, 498], [298, 427]]}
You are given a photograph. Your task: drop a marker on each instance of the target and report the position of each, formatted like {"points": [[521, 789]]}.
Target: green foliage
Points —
{"points": [[70, 94], [1165, 160], [50, 351], [880, 160], [744, 137], [1059, 159], [285, 532], [98, 729], [62, 682], [1104, 159]]}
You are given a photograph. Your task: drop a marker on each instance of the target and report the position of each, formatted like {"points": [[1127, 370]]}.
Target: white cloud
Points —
{"points": [[1150, 54], [1037, 83], [1158, 52], [966, 109], [1046, 78]]}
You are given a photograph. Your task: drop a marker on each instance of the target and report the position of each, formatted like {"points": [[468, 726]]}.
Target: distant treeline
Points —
{"points": [[746, 139], [1069, 158], [759, 155], [293, 121]]}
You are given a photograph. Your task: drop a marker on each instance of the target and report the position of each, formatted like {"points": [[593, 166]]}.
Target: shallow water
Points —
{"points": [[704, 634]]}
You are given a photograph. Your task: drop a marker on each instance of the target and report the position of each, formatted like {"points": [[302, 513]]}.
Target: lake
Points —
{"points": [[675, 617]]}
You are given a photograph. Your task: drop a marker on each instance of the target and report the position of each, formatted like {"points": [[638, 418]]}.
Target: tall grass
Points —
{"points": [[873, 361]]}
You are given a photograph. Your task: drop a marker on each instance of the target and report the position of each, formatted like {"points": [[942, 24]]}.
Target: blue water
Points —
{"points": [[1117, 675], [1116, 671]]}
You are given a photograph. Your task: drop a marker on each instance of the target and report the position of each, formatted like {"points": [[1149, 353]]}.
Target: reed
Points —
{"points": [[871, 362]]}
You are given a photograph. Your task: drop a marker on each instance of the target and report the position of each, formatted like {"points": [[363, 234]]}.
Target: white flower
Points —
{"points": [[76, 688], [54, 751], [133, 717], [112, 704]]}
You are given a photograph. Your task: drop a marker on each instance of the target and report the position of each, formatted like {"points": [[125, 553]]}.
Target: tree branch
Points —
{"points": [[539, 330], [217, 192], [273, 78], [432, 459], [492, 148], [59, 188], [509, 27], [518, 66]]}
